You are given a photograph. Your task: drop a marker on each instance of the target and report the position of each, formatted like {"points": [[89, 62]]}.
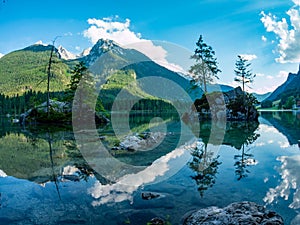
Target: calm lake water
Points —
{"points": [[44, 178]]}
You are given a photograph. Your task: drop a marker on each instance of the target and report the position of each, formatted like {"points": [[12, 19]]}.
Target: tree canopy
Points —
{"points": [[242, 72], [206, 66]]}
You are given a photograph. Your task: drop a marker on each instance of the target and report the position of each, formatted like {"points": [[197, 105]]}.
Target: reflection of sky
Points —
{"points": [[289, 172], [124, 188], [271, 136]]}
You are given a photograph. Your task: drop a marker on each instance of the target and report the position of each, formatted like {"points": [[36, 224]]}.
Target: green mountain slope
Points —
{"points": [[126, 82], [26, 69]]}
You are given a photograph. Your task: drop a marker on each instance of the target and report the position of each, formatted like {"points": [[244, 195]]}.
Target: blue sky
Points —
{"points": [[266, 31]]}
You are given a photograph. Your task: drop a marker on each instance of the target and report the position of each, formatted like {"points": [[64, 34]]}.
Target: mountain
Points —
{"points": [[85, 52], [291, 87], [285, 123], [26, 69], [106, 56], [65, 54], [262, 97]]}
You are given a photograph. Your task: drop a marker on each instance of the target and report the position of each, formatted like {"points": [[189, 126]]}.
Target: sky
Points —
{"points": [[265, 32]]}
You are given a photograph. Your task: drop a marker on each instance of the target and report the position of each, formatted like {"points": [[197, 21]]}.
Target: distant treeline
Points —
{"points": [[18, 104]]}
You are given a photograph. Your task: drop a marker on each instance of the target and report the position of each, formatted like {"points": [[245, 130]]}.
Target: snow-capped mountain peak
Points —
{"points": [[85, 52], [65, 54]]}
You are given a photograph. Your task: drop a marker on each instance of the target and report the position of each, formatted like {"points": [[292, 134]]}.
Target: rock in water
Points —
{"points": [[156, 221], [240, 213], [148, 195]]}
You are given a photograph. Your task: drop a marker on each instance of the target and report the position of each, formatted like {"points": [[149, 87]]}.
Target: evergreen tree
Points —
{"points": [[289, 103], [83, 83], [78, 72], [242, 72], [206, 67]]}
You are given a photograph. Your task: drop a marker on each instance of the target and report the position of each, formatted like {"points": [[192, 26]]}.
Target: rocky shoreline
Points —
{"points": [[238, 213]]}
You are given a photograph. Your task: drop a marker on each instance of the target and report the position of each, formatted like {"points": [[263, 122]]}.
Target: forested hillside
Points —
{"points": [[26, 69]]}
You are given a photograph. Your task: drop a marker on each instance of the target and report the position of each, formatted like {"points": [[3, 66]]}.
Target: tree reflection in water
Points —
{"points": [[243, 161], [239, 135], [205, 166], [245, 158]]}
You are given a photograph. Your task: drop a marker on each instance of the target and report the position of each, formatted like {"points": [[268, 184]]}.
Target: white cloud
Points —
{"points": [[1, 55], [296, 2], [77, 48], [283, 74], [287, 33], [40, 42], [275, 80], [109, 28], [263, 38], [263, 90], [248, 57], [68, 34], [232, 83], [260, 144], [260, 74]]}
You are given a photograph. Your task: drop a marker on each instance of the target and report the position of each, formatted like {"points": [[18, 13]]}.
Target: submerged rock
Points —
{"points": [[242, 213], [156, 221], [144, 141], [149, 195]]}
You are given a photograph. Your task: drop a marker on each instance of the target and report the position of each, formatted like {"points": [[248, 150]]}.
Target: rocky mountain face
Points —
{"points": [[65, 54], [290, 87], [85, 52]]}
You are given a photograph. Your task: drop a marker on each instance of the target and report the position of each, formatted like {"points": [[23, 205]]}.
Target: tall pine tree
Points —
{"points": [[206, 66], [82, 85], [242, 72]]}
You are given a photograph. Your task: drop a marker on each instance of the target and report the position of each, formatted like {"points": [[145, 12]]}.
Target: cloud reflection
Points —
{"points": [[124, 188], [283, 144], [289, 172]]}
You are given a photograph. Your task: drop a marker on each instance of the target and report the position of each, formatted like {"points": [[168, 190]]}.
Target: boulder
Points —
{"points": [[59, 112], [220, 106], [232, 94], [239, 213], [144, 141]]}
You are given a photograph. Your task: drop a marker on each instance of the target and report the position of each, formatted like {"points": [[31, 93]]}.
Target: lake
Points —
{"points": [[46, 177]]}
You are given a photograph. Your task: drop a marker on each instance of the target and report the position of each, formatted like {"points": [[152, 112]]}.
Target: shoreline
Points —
{"points": [[278, 110]]}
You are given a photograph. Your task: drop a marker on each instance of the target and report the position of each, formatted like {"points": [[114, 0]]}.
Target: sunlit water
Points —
{"points": [[45, 180]]}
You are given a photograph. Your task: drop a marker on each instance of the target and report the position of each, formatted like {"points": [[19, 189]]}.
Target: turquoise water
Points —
{"points": [[45, 180]]}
